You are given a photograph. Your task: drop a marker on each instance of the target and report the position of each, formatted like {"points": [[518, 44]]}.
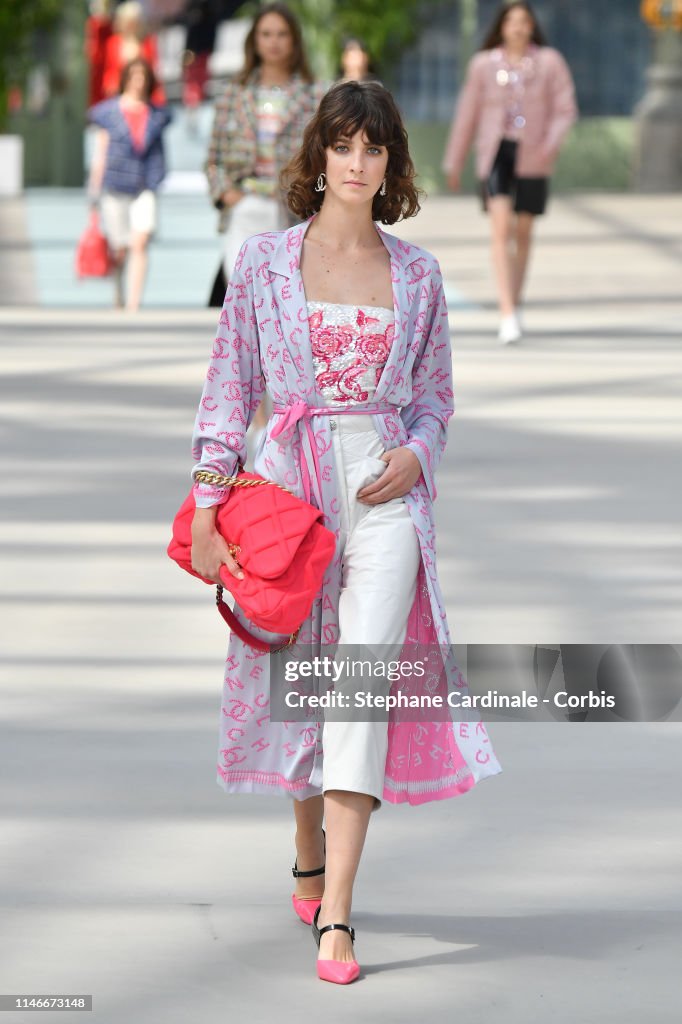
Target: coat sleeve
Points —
{"points": [[564, 109], [216, 173], [465, 119], [233, 387], [426, 417]]}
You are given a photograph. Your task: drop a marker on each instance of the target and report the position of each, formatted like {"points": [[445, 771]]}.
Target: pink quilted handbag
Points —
{"points": [[280, 543]]}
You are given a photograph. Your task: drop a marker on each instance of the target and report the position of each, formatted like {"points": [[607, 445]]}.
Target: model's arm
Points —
{"points": [[232, 392], [426, 417], [233, 387], [564, 109], [464, 123]]}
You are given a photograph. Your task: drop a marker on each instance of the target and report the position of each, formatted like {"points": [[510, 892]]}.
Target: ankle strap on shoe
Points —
{"points": [[305, 874], [338, 927]]}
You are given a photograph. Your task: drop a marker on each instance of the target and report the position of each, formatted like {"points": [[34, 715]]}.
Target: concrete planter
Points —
{"points": [[11, 165]]}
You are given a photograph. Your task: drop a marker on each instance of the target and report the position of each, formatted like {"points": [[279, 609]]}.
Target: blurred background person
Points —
{"points": [[128, 165], [356, 62], [257, 129], [518, 101], [128, 41], [258, 126], [201, 18], [98, 28]]}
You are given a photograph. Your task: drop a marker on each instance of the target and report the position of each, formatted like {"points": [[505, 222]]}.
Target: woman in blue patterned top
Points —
{"points": [[127, 168]]}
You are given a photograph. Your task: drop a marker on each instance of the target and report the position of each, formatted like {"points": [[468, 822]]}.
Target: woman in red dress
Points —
{"points": [[98, 29], [128, 42]]}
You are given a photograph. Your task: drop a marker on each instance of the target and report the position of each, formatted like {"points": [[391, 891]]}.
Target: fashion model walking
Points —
{"points": [[347, 328], [518, 101]]}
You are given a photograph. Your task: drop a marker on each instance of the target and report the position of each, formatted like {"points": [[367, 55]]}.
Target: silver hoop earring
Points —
{"points": [[321, 182], [382, 190]]}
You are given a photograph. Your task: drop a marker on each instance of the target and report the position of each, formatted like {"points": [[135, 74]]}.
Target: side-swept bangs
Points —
{"points": [[357, 115], [348, 108]]}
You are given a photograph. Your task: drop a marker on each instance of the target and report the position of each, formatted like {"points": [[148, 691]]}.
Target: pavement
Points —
{"points": [[550, 893]]}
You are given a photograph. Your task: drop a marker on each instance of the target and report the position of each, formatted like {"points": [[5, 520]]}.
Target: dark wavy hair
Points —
{"points": [[150, 82], [299, 62], [347, 108], [493, 37]]}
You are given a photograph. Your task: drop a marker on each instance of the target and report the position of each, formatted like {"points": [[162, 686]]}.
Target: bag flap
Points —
{"points": [[268, 524]]}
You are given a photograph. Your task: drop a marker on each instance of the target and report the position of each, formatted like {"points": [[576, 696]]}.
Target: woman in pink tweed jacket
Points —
{"points": [[518, 102]]}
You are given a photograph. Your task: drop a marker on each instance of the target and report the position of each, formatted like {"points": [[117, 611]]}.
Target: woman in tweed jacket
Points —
{"points": [[258, 127], [274, 62]]}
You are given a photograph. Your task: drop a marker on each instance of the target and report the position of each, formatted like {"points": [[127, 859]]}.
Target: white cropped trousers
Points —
{"points": [[381, 557]]}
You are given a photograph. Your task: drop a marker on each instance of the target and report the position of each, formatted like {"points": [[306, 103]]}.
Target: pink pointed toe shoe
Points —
{"points": [[305, 907], [341, 972]]}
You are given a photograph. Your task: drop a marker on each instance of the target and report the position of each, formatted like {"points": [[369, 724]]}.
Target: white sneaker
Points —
{"points": [[510, 329], [519, 317]]}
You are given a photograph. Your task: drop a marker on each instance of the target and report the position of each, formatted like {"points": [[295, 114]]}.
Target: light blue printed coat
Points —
{"points": [[263, 342]]}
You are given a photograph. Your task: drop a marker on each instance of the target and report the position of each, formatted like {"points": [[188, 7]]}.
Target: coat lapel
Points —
{"points": [[398, 252], [156, 122], [293, 312], [295, 91]]}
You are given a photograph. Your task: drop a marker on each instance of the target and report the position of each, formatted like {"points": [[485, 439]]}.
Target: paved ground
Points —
{"points": [[551, 892]]}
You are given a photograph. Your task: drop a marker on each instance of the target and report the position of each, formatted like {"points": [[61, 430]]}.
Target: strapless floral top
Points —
{"points": [[350, 346]]}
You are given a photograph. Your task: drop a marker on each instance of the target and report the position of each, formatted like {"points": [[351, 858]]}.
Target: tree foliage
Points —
{"points": [[19, 19], [385, 28]]}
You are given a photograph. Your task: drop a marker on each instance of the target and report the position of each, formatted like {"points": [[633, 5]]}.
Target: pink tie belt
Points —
{"points": [[291, 415]]}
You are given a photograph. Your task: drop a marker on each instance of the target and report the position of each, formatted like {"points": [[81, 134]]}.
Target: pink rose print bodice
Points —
{"points": [[350, 346]]}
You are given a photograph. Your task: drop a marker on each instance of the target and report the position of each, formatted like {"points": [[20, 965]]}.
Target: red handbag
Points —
{"points": [[280, 544], [93, 258]]}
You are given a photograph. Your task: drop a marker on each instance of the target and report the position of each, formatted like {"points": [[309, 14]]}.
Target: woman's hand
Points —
{"points": [[209, 549], [232, 196], [404, 469]]}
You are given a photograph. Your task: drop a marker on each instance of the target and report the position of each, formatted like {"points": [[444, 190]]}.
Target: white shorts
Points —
{"points": [[124, 215]]}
